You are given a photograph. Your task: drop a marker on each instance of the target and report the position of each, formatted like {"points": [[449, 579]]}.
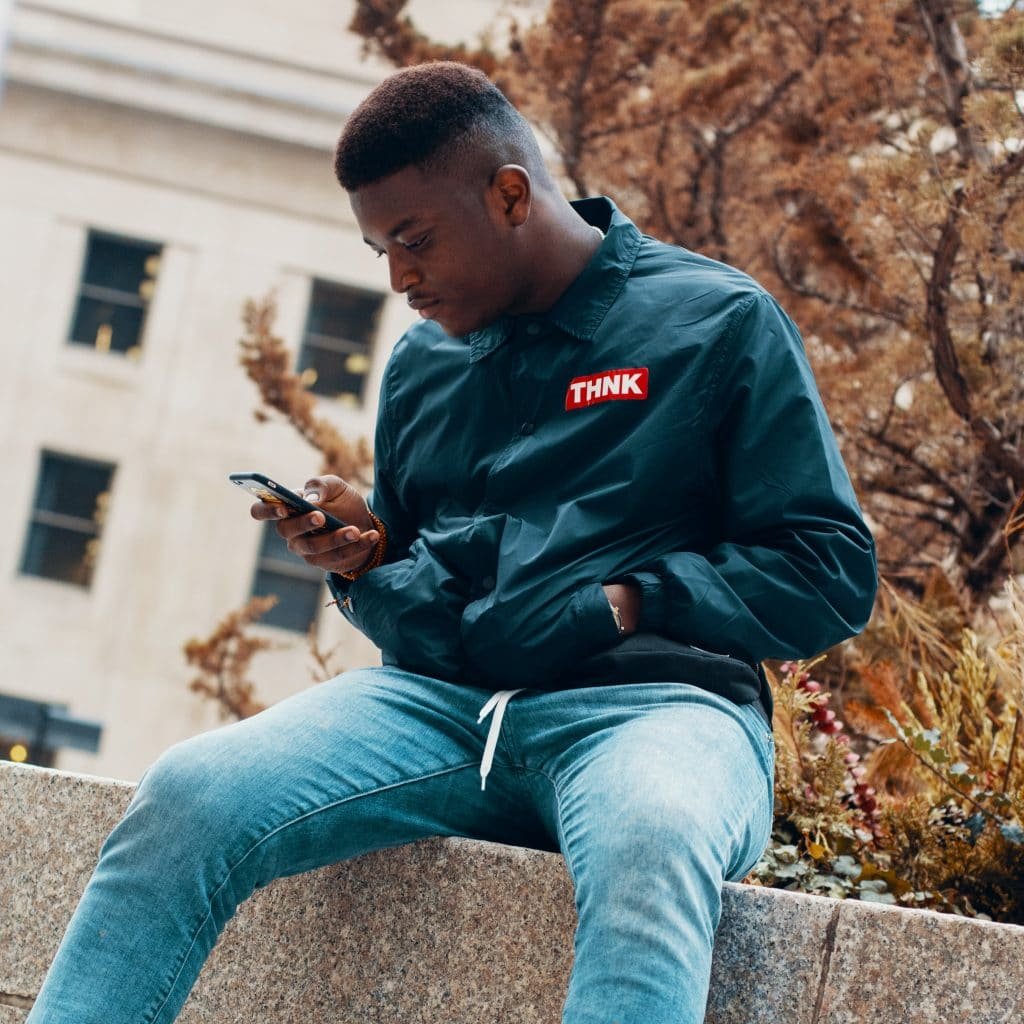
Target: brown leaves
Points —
{"points": [[222, 660]]}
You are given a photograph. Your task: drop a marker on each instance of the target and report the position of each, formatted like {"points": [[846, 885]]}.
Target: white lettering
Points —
{"points": [[611, 386], [593, 389], [577, 390], [630, 385]]}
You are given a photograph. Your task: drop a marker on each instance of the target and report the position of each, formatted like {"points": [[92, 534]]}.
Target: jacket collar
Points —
{"points": [[583, 305]]}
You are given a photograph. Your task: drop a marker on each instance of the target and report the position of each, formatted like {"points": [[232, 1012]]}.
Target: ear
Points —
{"points": [[511, 194]]}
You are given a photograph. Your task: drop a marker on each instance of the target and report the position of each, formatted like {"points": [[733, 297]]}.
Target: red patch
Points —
{"points": [[609, 386]]}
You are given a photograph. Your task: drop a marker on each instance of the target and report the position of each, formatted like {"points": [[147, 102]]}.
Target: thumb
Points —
{"points": [[323, 488]]}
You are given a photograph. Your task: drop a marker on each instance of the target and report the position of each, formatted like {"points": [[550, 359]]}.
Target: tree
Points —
{"points": [[863, 160]]}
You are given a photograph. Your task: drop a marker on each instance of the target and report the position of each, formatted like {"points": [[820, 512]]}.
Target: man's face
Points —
{"points": [[447, 244]]}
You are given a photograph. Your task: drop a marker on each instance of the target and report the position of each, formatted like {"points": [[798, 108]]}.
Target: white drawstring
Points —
{"points": [[497, 704]]}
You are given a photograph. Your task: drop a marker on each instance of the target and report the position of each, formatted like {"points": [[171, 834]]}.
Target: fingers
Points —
{"points": [[264, 510], [293, 525], [339, 551]]}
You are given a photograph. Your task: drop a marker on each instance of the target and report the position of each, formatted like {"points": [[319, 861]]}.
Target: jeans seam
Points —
{"points": [[259, 842], [563, 841]]}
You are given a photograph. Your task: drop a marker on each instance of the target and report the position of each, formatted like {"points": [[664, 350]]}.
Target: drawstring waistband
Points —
{"points": [[497, 704]]}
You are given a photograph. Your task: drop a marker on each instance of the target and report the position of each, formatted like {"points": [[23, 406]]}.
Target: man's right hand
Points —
{"points": [[345, 550]]}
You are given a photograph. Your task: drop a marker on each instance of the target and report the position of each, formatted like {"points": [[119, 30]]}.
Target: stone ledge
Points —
{"points": [[454, 932]]}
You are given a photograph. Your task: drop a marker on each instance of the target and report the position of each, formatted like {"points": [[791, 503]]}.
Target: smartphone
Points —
{"points": [[268, 490]]}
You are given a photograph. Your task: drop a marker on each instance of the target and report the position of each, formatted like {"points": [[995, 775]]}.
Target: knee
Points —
{"points": [[186, 792]]}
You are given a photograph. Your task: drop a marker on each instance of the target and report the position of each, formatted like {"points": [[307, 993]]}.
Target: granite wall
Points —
{"points": [[457, 932]]}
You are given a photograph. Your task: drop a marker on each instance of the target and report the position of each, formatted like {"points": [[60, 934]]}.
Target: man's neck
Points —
{"points": [[562, 244]]}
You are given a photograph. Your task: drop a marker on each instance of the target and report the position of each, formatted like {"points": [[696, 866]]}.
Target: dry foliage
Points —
{"points": [[864, 161], [223, 659], [929, 812]]}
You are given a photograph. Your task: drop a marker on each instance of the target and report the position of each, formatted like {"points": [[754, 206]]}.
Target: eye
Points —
{"points": [[418, 243]]}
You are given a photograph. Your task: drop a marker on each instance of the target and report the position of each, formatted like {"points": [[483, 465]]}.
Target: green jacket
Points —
{"points": [[659, 424]]}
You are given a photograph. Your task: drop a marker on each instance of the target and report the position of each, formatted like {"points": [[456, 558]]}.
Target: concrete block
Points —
{"points": [[769, 953], [893, 966], [461, 932]]}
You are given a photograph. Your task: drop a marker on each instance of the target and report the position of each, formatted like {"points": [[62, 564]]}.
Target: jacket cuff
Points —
{"points": [[339, 588], [653, 605]]}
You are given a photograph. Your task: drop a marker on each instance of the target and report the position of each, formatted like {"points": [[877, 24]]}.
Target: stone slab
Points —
{"points": [[769, 953], [461, 932], [53, 825], [893, 966], [443, 930]]}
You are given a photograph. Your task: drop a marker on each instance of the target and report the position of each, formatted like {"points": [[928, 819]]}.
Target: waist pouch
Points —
{"points": [[649, 658]]}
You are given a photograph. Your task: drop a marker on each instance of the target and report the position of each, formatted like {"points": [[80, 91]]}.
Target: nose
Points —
{"points": [[403, 274]]}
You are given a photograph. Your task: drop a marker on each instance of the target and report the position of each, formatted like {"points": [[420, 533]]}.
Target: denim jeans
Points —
{"points": [[654, 793]]}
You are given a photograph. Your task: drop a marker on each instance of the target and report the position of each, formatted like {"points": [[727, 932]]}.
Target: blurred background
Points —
{"points": [[161, 164]]}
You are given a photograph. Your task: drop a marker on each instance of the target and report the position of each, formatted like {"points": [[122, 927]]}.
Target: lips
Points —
{"points": [[421, 302]]}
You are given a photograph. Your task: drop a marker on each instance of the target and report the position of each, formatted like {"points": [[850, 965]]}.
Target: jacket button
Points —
{"points": [[533, 329], [487, 583], [526, 429]]}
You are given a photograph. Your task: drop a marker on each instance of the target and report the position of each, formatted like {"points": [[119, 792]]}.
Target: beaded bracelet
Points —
{"points": [[378, 552]]}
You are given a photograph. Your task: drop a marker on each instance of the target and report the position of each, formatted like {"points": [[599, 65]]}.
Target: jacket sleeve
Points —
{"points": [[411, 605], [794, 570]]}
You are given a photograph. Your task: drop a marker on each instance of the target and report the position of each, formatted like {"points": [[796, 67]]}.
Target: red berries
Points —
{"points": [[824, 720]]}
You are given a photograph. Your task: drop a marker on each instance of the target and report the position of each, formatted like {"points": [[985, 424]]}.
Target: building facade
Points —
{"points": [[162, 164]]}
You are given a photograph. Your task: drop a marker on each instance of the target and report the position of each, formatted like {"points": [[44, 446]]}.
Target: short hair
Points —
{"points": [[436, 116]]}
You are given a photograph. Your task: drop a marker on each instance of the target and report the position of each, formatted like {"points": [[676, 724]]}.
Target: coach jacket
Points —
{"points": [[659, 425]]}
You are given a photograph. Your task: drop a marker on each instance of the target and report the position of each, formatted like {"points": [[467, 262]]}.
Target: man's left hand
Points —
{"points": [[626, 597]]}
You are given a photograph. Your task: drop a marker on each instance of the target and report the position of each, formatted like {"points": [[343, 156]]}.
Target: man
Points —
{"points": [[605, 489]]}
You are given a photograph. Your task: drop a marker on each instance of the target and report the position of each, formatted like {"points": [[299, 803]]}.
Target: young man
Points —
{"points": [[605, 489]]}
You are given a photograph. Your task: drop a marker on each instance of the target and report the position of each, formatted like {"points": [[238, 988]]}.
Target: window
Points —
{"points": [[118, 280], [32, 732], [297, 586], [335, 356], [67, 518]]}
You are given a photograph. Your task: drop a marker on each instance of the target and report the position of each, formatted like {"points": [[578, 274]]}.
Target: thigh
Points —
{"points": [[370, 759], [649, 766], [661, 792]]}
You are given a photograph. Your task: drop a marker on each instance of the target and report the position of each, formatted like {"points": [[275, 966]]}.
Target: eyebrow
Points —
{"points": [[397, 229]]}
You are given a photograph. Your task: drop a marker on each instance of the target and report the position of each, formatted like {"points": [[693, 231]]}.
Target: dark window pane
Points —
{"points": [[118, 263], [335, 355], [298, 600], [108, 326], [339, 312], [71, 486], [296, 585], [59, 554], [64, 534], [332, 376], [118, 278]]}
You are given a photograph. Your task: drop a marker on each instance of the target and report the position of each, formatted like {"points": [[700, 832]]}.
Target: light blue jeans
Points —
{"points": [[654, 793]]}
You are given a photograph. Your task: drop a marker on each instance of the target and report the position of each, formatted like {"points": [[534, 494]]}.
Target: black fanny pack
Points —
{"points": [[649, 658]]}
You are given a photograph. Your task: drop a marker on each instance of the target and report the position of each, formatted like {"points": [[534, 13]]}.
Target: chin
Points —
{"points": [[455, 328]]}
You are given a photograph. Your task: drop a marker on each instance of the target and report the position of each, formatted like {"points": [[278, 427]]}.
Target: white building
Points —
{"points": [[161, 163]]}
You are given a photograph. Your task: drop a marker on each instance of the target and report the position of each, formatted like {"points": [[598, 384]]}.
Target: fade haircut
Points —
{"points": [[440, 116]]}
